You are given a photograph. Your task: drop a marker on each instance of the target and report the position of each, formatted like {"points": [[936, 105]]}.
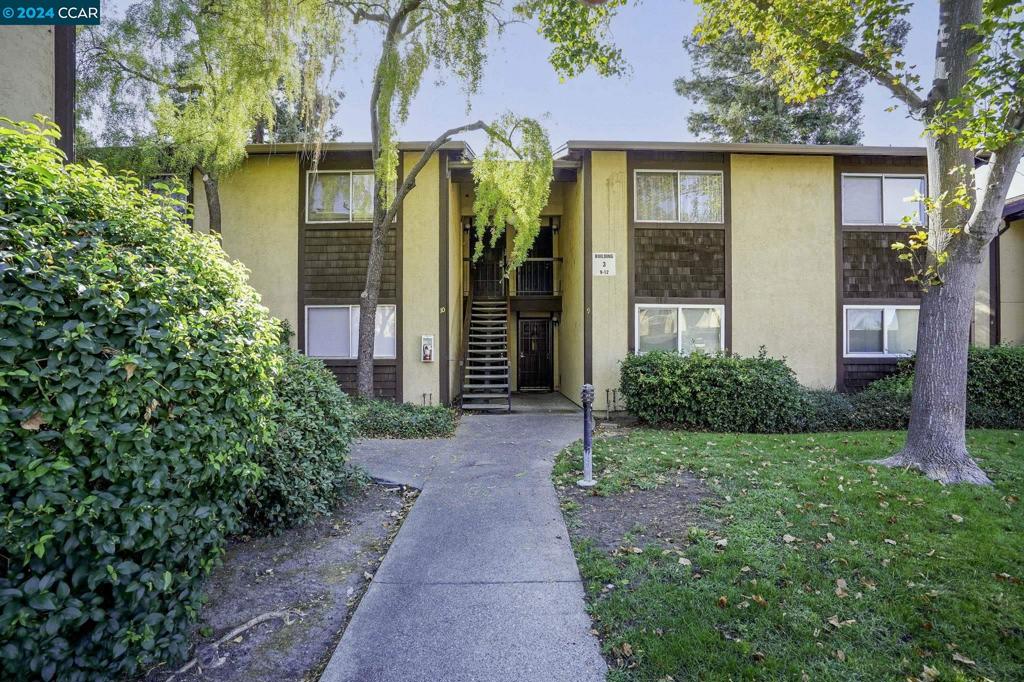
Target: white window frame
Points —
{"points": [[678, 307], [883, 176], [351, 173], [885, 335], [636, 205], [353, 333]]}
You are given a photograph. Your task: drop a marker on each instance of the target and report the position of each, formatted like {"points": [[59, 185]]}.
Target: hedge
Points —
{"points": [[136, 374], [712, 392], [388, 419], [760, 395], [305, 468]]}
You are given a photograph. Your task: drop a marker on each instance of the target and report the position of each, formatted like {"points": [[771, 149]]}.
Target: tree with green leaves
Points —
{"points": [[185, 82], [742, 104], [513, 177], [972, 109]]}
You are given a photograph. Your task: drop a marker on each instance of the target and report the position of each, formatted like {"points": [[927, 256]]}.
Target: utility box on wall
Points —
{"points": [[427, 348]]}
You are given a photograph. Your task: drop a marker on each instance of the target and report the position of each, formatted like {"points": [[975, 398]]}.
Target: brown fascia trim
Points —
{"points": [[64, 88], [298, 148], [588, 270], [574, 146], [444, 313]]}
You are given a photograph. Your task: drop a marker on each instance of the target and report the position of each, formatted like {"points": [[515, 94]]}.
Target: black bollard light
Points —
{"points": [[587, 398]]}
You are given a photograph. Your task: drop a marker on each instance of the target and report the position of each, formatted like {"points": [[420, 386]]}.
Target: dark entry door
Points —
{"points": [[488, 272], [536, 370]]}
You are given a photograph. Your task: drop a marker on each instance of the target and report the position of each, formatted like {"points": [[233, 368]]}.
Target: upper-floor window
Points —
{"points": [[880, 330], [332, 331], [678, 196], [339, 196], [882, 199], [680, 328]]}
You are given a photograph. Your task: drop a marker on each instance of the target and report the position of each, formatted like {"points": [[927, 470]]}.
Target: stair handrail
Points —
{"points": [[467, 313]]}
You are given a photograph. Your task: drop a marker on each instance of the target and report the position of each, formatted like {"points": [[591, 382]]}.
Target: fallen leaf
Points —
{"points": [[841, 588], [962, 659], [890, 541], [759, 600], [722, 544], [129, 370], [723, 601], [627, 649], [787, 538], [34, 422], [957, 518], [685, 562], [929, 674], [840, 655]]}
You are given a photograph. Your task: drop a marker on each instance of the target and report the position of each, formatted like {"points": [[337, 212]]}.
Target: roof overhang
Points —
{"points": [[297, 148], [564, 170], [574, 147], [1014, 208]]}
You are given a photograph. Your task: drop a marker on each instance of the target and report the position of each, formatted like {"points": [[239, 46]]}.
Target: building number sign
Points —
{"points": [[604, 264]]}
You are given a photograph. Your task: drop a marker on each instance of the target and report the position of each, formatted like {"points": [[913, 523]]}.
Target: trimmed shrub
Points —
{"points": [[136, 369], [712, 392], [388, 419], [305, 469]]}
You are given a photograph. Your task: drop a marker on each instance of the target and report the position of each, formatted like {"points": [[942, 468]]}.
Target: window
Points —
{"points": [[882, 199], [332, 331], [680, 328], [880, 330], [339, 196], [678, 196]]}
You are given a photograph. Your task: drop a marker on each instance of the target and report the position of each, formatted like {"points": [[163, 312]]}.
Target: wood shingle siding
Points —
{"points": [[862, 371], [871, 269], [385, 377], [334, 265], [680, 263]]}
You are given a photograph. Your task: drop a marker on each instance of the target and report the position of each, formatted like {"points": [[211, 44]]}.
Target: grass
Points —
{"points": [[821, 567]]}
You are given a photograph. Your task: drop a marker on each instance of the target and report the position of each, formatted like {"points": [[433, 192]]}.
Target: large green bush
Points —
{"points": [[136, 369], [305, 468], [729, 393], [712, 392], [388, 419]]}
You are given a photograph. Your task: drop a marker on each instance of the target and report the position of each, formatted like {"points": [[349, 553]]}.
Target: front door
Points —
{"points": [[536, 370]]}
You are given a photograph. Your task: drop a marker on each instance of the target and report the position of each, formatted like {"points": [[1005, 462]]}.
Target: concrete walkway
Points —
{"points": [[481, 583]]}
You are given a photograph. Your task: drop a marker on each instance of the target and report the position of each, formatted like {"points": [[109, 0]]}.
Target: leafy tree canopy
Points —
{"points": [[741, 104]]}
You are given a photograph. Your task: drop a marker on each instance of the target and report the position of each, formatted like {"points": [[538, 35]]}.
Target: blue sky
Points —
{"points": [[643, 106]]}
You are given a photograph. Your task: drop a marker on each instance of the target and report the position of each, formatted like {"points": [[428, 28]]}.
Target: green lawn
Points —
{"points": [[831, 569]]}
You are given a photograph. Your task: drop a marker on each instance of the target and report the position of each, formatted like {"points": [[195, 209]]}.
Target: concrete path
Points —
{"points": [[481, 583]]}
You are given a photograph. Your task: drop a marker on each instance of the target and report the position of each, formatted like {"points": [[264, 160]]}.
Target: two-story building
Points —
{"points": [[644, 245]]}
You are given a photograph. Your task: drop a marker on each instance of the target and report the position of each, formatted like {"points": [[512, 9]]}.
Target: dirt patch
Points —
{"points": [[638, 518], [296, 591]]}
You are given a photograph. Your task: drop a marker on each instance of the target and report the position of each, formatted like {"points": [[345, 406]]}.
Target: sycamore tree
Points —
{"points": [[185, 82], [512, 179], [972, 109]]}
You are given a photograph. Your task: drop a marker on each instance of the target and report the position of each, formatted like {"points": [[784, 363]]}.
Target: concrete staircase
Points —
{"points": [[485, 380]]}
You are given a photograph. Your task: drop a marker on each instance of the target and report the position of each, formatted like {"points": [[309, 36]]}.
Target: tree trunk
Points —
{"points": [[212, 188], [368, 299], [936, 440]]}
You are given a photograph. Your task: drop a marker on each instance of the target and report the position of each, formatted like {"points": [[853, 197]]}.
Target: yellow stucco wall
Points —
{"points": [[420, 285], [783, 262], [983, 305], [26, 79], [570, 329], [609, 234], [260, 228], [1011, 284]]}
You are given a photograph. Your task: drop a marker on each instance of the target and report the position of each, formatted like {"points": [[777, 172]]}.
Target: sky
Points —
{"points": [[642, 106]]}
